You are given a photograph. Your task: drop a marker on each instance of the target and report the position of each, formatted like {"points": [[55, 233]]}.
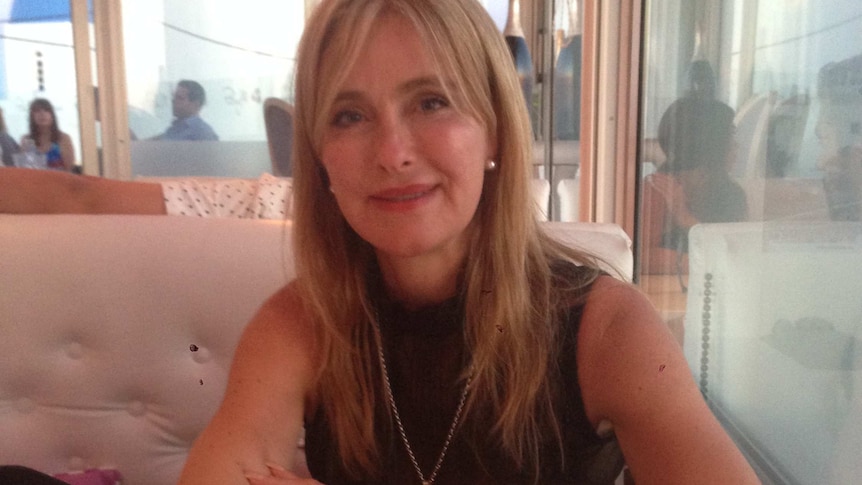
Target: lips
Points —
{"points": [[403, 194], [403, 199]]}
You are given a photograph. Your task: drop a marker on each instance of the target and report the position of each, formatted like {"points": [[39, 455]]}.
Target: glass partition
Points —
{"points": [[240, 54], [749, 194]]}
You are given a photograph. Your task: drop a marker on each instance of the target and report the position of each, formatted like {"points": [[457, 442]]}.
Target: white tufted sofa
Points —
{"points": [[116, 332]]}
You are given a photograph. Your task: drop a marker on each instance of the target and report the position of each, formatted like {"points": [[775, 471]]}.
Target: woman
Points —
{"points": [[693, 185], [434, 334], [47, 137]]}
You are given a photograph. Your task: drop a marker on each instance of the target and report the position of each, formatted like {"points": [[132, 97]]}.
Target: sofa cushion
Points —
{"points": [[118, 331]]}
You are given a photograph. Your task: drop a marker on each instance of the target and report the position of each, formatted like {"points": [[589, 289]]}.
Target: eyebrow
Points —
{"points": [[411, 85]]}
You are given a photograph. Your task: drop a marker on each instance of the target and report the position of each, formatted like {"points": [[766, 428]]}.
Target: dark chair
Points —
{"points": [[278, 118]]}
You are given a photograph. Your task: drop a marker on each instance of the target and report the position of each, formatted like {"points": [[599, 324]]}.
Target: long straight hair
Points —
{"points": [[44, 104], [510, 326]]}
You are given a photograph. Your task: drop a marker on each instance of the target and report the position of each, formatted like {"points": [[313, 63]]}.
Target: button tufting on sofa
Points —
{"points": [[75, 350], [118, 331], [201, 355], [137, 408]]}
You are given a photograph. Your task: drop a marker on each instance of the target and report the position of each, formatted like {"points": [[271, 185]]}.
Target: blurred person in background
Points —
{"points": [[189, 98], [839, 131], [693, 185], [47, 138], [8, 145]]}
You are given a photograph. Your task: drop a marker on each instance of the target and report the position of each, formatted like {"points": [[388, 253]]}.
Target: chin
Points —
{"points": [[404, 248]]}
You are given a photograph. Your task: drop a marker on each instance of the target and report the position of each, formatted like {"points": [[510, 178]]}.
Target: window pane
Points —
{"points": [[750, 232], [38, 61], [237, 54]]}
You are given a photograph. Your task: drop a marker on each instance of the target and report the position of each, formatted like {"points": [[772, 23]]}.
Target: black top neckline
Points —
{"points": [[437, 319]]}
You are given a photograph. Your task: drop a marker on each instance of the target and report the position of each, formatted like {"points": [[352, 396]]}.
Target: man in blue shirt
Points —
{"points": [[189, 97]]}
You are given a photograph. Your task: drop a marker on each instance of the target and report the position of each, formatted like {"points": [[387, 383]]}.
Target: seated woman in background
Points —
{"points": [[434, 333], [693, 184], [45, 134]]}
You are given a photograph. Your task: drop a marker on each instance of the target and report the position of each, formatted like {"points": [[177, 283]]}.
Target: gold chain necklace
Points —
{"points": [[394, 408]]}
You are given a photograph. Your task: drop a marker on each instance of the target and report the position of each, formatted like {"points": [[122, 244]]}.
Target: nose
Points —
{"points": [[394, 142]]}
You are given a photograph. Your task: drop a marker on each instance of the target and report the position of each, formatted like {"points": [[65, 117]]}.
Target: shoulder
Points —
{"points": [[65, 140], [622, 338], [633, 374], [5, 137], [275, 363], [283, 321], [199, 123], [612, 303]]}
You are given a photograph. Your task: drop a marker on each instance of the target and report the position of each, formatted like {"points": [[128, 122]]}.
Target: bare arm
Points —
{"points": [[633, 374], [660, 194], [260, 420], [67, 151], [27, 191]]}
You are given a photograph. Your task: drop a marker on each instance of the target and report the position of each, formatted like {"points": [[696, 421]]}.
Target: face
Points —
{"points": [[841, 163], [42, 118], [182, 105], [405, 167]]}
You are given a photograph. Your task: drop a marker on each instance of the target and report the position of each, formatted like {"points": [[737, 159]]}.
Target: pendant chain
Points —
{"points": [[452, 427]]}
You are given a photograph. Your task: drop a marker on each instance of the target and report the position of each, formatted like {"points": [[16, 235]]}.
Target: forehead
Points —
{"points": [[392, 48], [181, 92]]}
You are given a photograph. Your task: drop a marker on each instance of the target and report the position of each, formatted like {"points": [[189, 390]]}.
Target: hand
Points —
{"points": [[278, 475]]}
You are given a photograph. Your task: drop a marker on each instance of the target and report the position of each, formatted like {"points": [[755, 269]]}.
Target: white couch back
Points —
{"points": [[117, 332], [98, 316]]}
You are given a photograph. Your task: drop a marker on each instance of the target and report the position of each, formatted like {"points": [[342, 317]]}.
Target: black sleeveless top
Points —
{"points": [[424, 351]]}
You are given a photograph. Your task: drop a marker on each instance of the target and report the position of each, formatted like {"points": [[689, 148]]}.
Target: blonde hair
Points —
{"points": [[511, 309]]}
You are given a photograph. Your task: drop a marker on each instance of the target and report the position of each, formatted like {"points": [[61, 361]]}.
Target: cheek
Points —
{"points": [[466, 149], [340, 163]]}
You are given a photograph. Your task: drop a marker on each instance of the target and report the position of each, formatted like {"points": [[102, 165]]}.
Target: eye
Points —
{"points": [[345, 118], [433, 103]]}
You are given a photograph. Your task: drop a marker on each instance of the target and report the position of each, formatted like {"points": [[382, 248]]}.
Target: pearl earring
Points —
{"points": [[490, 166]]}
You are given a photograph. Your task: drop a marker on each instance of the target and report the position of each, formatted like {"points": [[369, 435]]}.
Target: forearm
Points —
{"points": [[67, 152], [656, 258], [218, 459]]}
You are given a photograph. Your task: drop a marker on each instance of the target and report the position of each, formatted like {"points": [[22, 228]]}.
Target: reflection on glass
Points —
{"points": [[566, 107], [771, 322], [692, 184], [238, 53], [189, 97]]}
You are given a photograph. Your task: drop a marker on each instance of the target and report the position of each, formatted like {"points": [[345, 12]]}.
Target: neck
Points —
{"points": [[423, 280]]}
